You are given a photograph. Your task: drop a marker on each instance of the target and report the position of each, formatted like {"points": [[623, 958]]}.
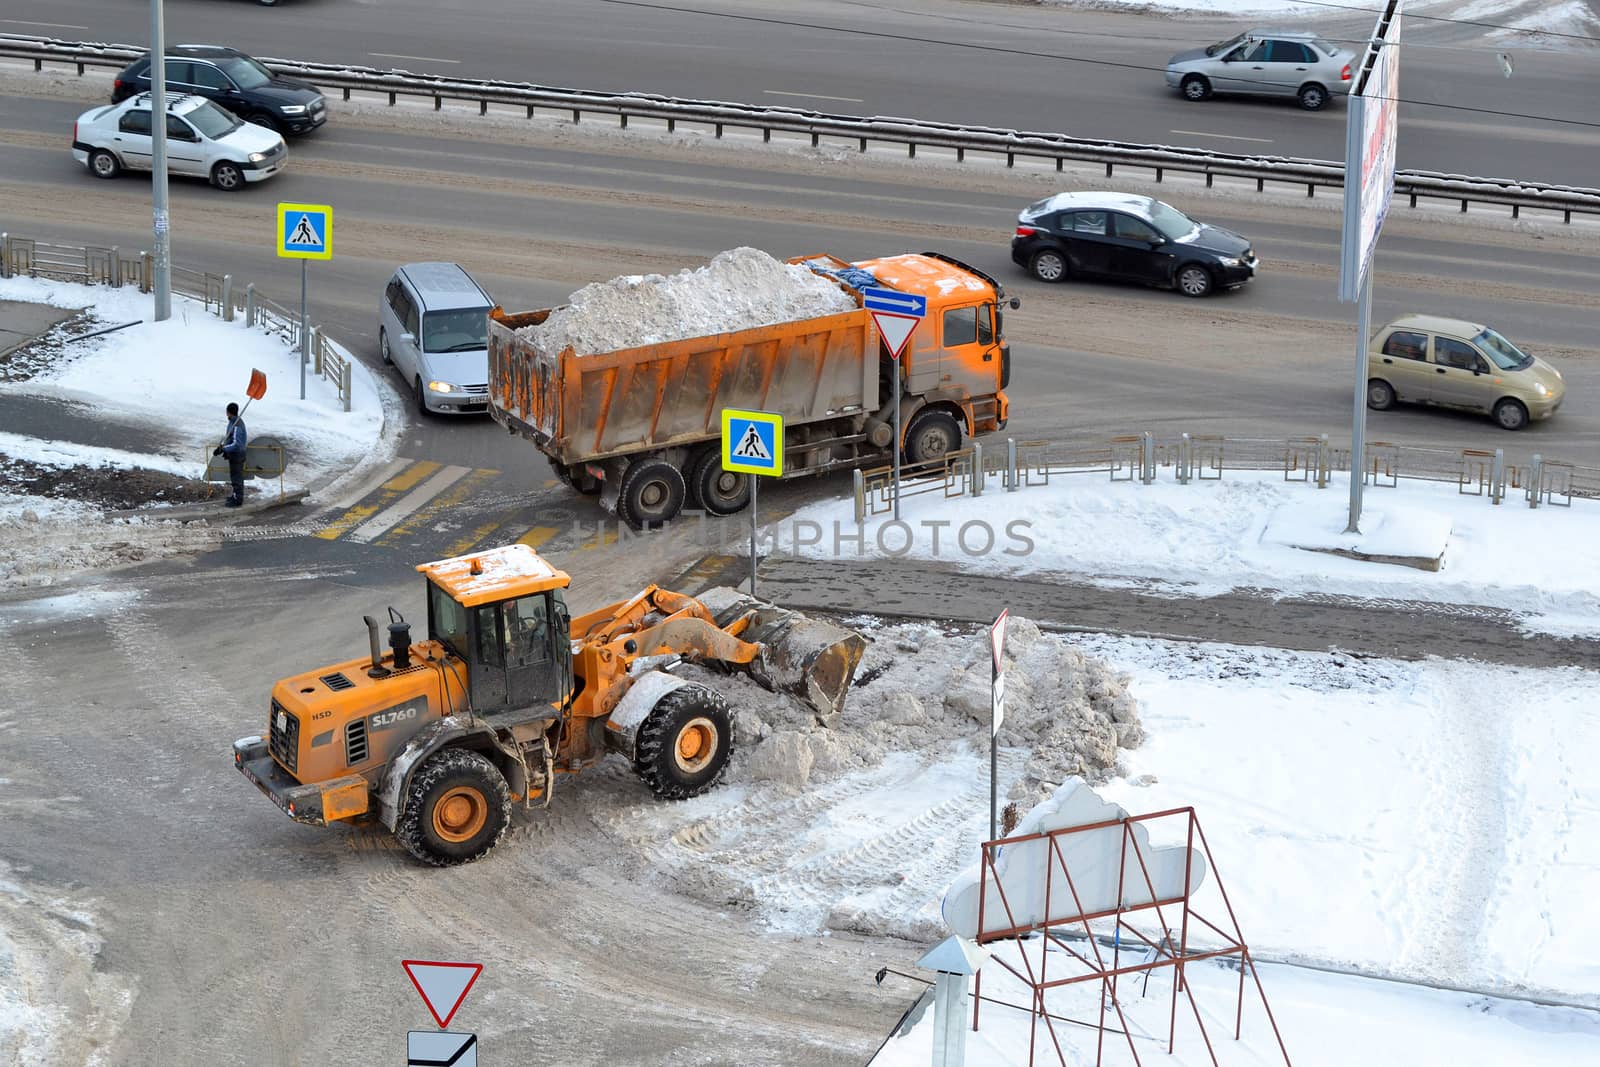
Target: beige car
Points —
{"points": [[1421, 359]]}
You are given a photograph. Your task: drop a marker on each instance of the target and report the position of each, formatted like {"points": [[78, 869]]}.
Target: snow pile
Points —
{"points": [[738, 290], [44, 541], [923, 689]]}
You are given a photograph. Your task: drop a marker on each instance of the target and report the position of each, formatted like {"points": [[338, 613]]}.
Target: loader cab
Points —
{"points": [[503, 614]]}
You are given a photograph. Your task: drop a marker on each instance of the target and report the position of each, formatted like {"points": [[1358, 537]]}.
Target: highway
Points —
{"points": [[1086, 73]]}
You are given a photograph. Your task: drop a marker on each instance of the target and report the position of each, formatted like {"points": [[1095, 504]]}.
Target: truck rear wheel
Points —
{"points": [[457, 809], [932, 436], [651, 494], [684, 743], [718, 491]]}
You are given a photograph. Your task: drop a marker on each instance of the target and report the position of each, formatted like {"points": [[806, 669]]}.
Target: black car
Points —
{"points": [[1131, 238], [234, 81]]}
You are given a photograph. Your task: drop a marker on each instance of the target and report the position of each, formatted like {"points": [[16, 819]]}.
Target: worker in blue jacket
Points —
{"points": [[233, 446]]}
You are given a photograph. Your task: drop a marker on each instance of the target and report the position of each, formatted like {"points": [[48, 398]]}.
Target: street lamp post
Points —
{"points": [[162, 282]]}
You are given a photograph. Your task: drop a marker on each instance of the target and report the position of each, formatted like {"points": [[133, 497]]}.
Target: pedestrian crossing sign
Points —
{"points": [[752, 442], [305, 231]]}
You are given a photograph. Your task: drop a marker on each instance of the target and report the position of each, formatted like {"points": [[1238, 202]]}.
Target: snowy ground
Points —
{"points": [[1208, 538], [1570, 16], [167, 385]]}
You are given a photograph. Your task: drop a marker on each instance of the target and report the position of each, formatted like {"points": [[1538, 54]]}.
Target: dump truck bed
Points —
{"points": [[582, 408]]}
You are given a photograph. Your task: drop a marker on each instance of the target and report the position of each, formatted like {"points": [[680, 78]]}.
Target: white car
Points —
{"points": [[203, 140]]}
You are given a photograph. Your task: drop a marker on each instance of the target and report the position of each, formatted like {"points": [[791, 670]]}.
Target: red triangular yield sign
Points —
{"points": [[442, 985], [895, 329]]}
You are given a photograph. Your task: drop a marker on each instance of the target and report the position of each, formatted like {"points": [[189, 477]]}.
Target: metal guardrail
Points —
{"points": [[110, 266], [1313, 174], [1197, 457]]}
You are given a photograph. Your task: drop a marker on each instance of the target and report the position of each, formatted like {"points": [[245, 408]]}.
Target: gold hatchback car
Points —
{"points": [[1421, 359]]}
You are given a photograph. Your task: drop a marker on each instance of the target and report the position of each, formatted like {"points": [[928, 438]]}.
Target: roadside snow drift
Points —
{"points": [[739, 289]]}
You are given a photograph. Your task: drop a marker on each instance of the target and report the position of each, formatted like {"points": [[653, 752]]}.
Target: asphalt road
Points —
{"points": [[1086, 73]]}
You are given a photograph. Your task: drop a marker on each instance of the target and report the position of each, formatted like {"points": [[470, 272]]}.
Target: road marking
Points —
{"points": [[362, 491], [816, 96], [387, 519], [536, 537], [606, 538], [472, 538], [1223, 136], [424, 59], [52, 25], [442, 502], [403, 474]]}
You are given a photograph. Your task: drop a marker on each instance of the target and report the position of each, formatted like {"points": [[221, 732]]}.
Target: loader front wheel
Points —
{"points": [[457, 809], [684, 743], [651, 494]]}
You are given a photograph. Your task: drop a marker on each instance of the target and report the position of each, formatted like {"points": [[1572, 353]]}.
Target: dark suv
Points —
{"points": [[1130, 238], [235, 82]]}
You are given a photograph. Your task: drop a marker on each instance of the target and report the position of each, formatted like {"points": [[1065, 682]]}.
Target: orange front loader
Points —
{"points": [[435, 740]]}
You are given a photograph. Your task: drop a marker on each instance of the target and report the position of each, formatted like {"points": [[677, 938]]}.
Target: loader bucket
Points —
{"points": [[813, 659]]}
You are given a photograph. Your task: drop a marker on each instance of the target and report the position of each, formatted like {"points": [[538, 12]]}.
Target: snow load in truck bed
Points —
{"points": [[738, 290]]}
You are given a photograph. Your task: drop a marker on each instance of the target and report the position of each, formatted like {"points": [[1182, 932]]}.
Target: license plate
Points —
{"points": [[283, 721]]}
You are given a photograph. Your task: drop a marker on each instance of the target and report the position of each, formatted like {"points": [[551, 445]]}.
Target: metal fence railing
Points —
{"points": [[110, 266], [1412, 186], [1186, 458]]}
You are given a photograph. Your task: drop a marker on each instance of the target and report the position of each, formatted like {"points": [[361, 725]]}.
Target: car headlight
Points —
{"points": [[258, 157], [441, 387], [292, 109], [1229, 261], [1539, 388]]}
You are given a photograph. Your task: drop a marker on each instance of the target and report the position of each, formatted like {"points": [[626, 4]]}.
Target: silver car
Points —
{"points": [[433, 326], [1265, 63]]}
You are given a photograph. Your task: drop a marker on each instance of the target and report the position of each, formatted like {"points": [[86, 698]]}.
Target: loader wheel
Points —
{"points": [[684, 743], [718, 491], [651, 495], [457, 809]]}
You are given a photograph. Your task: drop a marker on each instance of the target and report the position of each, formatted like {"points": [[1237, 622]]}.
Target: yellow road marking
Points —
{"points": [[536, 537], [457, 493], [472, 538], [609, 537], [387, 492]]}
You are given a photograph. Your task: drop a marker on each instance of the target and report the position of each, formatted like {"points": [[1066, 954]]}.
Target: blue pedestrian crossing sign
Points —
{"points": [[752, 442], [879, 299], [305, 231]]}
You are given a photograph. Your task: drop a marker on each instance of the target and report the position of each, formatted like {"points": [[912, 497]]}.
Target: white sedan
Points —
{"points": [[203, 141]]}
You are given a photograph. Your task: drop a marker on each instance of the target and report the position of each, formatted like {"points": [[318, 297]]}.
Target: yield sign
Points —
{"points": [[442, 985], [895, 329]]}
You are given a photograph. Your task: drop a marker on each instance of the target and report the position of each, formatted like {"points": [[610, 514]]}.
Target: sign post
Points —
{"points": [[443, 987], [897, 316], [997, 689], [305, 231], [752, 444], [1369, 159]]}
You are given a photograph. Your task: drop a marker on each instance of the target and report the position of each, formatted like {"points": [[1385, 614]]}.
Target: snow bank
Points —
{"points": [[739, 289], [1208, 538]]}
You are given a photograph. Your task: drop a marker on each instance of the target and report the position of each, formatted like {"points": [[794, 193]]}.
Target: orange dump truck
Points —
{"points": [[641, 427]]}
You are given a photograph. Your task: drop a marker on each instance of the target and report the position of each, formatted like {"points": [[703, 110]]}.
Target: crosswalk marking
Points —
{"points": [[404, 478], [608, 537], [388, 518], [441, 501], [472, 538], [536, 537]]}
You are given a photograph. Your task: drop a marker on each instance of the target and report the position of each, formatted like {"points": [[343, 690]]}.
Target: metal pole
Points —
{"points": [[755, 482], [1358, 421], [305, 337], [994, 759], [158, 156], [897, 440]]}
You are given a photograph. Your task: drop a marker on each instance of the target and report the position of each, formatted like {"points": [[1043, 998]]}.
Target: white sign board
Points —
{"points": [[1369, 159], [997, 649]]}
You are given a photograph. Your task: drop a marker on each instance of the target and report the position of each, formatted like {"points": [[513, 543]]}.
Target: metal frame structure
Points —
{"points": [[1095, 966]]}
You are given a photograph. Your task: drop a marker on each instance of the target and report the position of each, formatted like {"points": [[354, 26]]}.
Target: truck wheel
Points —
{"points": [[932, 435], [718, 491], [651, 494], [684, 743], [576, 478], [457, 809]]}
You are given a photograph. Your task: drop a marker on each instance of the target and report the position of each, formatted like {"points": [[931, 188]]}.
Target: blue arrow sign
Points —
{"points": [[877, 299]]}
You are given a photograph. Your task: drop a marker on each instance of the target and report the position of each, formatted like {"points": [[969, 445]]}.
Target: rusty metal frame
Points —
{"points": [[1165, 952]]}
